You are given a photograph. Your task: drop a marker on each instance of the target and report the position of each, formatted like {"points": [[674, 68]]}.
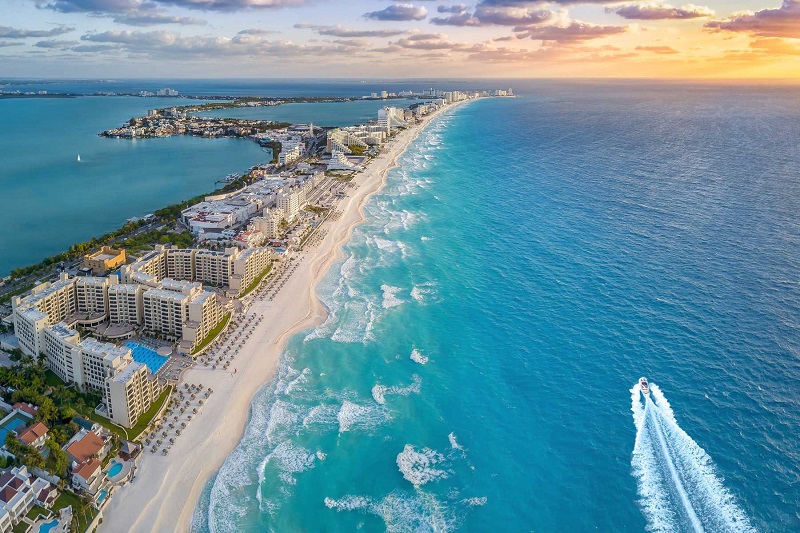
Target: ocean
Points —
{"points": [[527, 262]]}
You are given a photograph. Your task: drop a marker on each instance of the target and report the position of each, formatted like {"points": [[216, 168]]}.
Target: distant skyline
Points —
{"points": [[374, 38]]}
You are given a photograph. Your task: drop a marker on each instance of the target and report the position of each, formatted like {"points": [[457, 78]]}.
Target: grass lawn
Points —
{"points": [[51, 379], [35, 511], [21, 527], [84, 516], [144, 420], [256, 281], [212, 334]]}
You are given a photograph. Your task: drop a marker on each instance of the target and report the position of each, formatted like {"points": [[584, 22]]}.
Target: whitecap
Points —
{"points": [[419, 467], [390, 298], [417, 357]]}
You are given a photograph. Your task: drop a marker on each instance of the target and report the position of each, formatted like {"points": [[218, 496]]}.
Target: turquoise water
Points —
{"points": [[50, 201], [320, 113], [13, 424], [148, 356], [490, 319], [102, 496], [44, 528], [115, 469]]}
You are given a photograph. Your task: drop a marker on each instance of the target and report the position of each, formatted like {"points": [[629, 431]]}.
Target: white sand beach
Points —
{"points": [[164, 494]]}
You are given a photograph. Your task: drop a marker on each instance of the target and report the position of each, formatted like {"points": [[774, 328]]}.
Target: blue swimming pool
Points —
{"points": [[15, 423], [44, 528], [115, 469], [102, 496], [148, 356]]}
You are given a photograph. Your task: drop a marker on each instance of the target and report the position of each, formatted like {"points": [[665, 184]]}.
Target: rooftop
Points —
{"points": [[33, 432], [86, 447]]}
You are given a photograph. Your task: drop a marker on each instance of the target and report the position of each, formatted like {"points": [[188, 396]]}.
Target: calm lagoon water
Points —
{"points": [[50, 201]]}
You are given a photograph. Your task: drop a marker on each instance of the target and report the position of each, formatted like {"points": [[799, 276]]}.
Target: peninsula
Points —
{"points": [[156, 341]]}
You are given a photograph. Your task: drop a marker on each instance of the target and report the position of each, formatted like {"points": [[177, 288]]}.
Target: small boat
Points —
{"points": [[645, 388], [79, 158]]}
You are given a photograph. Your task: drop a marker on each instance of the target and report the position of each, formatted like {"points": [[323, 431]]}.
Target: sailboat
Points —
{"points": [[79, 158]]}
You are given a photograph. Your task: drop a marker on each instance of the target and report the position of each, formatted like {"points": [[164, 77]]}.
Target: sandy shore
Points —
{"points": [[166, 489]]}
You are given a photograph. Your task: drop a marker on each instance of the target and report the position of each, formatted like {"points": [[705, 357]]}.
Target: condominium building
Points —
{"points": [[59, 341], [391, 117], [270, 223], [204, 314], [28, 326], [248, 265], [213, 267], [56, 299], [125, 303], [129, 393], [91, 299], [291, 200], [180, 263], [127, 387], [207, 266], [153, 264]]}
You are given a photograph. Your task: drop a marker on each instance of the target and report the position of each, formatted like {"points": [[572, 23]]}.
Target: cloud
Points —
{"points": [[458, 19], [575, 32], [7, 44], [490, 15], [399, 12], [90, 6], [458, 8], [256, 31], [7, 32], [133, 6], [524, 3], [339, 31], [777, 22], [94, 48], [55, 44], [653, 11], [173, 45], [154, 18], [661, 50]]}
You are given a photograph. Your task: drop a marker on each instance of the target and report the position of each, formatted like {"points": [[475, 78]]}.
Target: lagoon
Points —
{"points": [[50, 201]]}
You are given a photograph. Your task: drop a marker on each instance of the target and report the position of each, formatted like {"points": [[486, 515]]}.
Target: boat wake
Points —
{"points": [[679, 489]]}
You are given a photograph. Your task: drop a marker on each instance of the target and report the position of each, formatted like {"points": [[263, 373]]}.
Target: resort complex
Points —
{"points": [[119, 332]]}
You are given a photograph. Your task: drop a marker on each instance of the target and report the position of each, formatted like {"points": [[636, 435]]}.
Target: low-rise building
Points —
{"points": [[105, 260]]}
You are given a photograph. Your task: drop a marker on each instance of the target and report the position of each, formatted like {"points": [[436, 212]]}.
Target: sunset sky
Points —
{"points": [[374, 38]]}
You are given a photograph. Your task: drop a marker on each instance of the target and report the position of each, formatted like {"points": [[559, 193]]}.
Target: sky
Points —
{"points": [[415, 39]]}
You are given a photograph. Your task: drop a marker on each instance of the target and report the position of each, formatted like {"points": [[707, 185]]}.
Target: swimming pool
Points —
{"points": [[44, 528], [148, 356], [14, 423], [102, 496], [115, 469]]}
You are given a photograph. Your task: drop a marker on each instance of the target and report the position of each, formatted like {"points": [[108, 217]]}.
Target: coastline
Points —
{"points": [[164, 494]]}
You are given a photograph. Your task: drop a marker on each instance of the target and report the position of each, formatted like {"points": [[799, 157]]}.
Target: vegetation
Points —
{"points": [[57, 405], [357, 150], [144, 420], [213, 333], [256, 282], [147, 239], [82, 510]]}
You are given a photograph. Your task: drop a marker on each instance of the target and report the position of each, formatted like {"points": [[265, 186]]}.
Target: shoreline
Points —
{"points": [[165, 492]]}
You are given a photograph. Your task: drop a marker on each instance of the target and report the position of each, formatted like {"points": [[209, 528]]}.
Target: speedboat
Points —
{"points": [[645, 388]]}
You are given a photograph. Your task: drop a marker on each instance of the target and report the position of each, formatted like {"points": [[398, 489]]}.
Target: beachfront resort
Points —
{"points": [[94, 378]]}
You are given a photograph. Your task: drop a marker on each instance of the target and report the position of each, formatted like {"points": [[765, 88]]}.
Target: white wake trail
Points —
{"points": [[679, 489]]}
